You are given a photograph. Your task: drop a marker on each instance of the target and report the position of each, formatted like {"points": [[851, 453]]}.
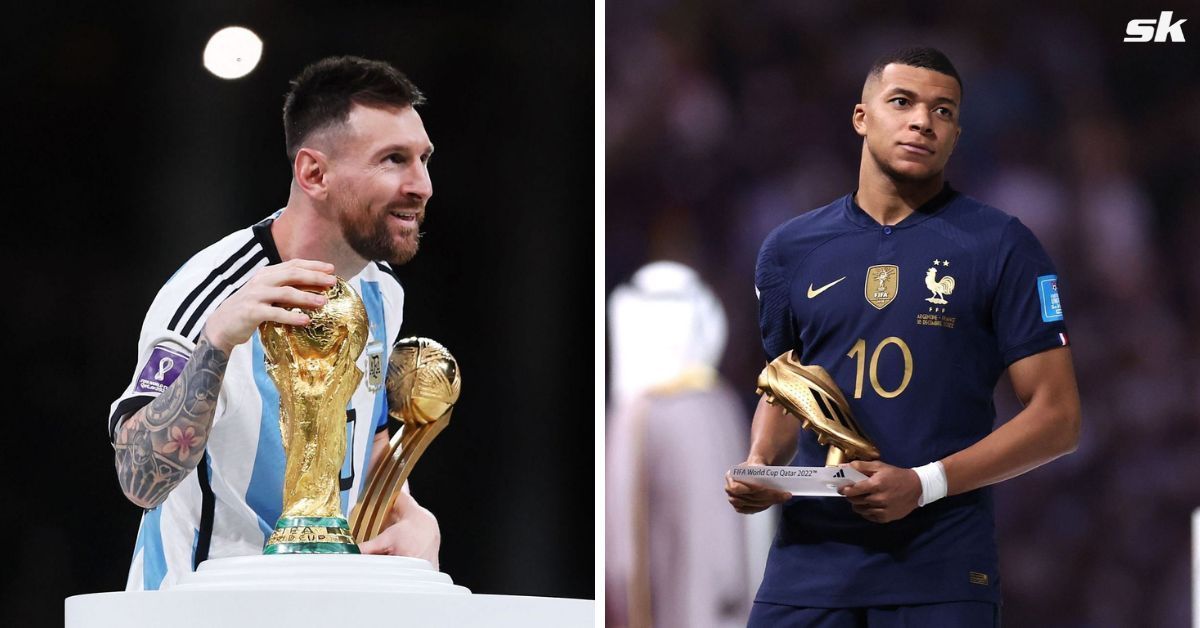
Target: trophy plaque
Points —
{"points": [[423, 384], [314, 370], [811, 395]]}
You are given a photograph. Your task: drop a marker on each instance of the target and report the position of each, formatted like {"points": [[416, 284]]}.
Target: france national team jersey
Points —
{"points": [[915, 322], [230, 503]]}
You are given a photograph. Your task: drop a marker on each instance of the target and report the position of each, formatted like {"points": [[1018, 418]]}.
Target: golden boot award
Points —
{"points": [[314, 370], [423, 384], [809, 393]]}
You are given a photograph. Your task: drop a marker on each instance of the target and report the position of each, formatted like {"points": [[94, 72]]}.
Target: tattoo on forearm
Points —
{"points": [[160, 444]]}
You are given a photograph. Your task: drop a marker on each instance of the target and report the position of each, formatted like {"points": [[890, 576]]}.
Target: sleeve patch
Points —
{"points": [[162, 368], [1048, 294]]}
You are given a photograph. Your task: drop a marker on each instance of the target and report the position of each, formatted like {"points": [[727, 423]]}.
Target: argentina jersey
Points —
{"points": [[915, 322], [229, 505]]}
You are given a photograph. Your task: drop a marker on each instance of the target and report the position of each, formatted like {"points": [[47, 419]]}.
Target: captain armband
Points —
{"points": [[933, 482]]}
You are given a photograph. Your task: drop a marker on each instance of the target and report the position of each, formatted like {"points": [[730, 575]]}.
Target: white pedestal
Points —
{"points": [[320, 591], [320, 573]]}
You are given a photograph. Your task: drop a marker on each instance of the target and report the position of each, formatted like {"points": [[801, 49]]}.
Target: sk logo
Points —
{"points": [[1164, 29], [883, 282], [939, 287]]}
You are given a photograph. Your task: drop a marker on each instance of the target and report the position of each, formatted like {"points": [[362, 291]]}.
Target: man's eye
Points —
{"points": [[899, 100], [396, 158], [945, 112]]}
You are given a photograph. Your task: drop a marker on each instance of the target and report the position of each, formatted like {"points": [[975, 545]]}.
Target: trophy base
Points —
{"points": [[311, 535]]}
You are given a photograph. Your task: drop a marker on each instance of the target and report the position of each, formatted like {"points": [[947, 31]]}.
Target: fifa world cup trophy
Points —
{"points": [[314, 370], [811, 395], [423, 384]]}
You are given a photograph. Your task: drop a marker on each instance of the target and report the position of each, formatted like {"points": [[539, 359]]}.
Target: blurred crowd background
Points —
{"points": [[725, 119]]}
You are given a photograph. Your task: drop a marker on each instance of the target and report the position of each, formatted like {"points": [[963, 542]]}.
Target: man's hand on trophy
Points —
{"points": [[749, 498], [889, 493], [411, 531], [269, 296]]}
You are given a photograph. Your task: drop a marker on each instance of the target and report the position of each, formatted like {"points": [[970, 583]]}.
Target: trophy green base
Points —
{"points": [[311, 535]]}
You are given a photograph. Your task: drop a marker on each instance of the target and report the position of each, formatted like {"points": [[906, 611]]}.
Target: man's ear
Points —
{"points": [[859, 119], [310, 171]]}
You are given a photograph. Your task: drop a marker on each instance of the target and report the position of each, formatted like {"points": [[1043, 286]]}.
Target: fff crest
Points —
{"points": [[883, 282]]}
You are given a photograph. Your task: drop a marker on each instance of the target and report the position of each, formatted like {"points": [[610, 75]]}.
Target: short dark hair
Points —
{"points": [[917, 57], [324, 93]]}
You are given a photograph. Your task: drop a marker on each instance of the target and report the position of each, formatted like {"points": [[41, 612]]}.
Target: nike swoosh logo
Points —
{"points": [[812, 293]]}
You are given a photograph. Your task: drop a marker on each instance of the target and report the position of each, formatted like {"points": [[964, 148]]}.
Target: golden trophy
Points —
{"points": [[423, 383], [809, 393], [314, 370]]}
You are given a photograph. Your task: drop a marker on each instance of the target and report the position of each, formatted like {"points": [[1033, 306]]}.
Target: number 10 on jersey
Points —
{"points": [[859, 353]]}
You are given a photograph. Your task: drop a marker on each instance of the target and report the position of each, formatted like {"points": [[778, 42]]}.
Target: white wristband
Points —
{"points": [[933, 483]]}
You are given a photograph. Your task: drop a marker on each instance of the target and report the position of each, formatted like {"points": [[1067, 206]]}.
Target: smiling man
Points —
{"points": [[915, 299], [196, 433]]}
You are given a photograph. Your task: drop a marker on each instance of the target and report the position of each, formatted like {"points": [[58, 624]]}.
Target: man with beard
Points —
{"points": [[915, 299], [201, 399]]}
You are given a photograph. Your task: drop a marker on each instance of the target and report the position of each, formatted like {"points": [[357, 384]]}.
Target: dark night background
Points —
{"points": [[124, 157]]}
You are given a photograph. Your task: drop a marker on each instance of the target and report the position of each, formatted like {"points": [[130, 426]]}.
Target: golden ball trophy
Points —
{"points": [[423, 383], [314, 370], [809, 393]]}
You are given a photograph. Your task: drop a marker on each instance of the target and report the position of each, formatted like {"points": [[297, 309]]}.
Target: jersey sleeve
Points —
{"points": [[775, 319], [1026, 311], [162, 353], [179, 312]]}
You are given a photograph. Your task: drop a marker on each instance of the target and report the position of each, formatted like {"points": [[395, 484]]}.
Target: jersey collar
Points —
{"points": [[262, 233], [856, 215]]}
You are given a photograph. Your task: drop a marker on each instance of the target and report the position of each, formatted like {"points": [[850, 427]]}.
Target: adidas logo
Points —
{"points": [[840, 473]]}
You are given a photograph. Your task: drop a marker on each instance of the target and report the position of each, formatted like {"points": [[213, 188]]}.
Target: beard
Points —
{"points": [[369, 233]]}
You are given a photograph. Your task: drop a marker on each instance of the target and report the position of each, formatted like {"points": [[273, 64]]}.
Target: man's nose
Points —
{"points": [[921, 121], [419, 183]]}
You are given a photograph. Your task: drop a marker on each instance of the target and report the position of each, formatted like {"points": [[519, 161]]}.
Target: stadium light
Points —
{"points": [[232, 52]]}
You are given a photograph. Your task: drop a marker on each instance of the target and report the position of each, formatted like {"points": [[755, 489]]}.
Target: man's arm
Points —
{"points": [[1047, 428], [163, 441], [773, 438], [411, 529], [160, 444], [773, 435]]}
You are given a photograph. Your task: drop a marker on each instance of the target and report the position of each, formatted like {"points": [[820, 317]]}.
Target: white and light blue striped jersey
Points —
{"points": [[230, 503]]}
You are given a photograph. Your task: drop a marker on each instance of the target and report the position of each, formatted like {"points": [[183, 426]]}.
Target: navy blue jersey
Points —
{"points": [[915, 322]]}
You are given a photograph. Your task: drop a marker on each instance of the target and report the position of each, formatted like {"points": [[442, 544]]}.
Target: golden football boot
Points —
{"points": [[809, 393]]}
